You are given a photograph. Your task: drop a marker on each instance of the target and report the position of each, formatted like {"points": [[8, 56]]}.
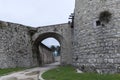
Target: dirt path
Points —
{"points": [[29, 74]]}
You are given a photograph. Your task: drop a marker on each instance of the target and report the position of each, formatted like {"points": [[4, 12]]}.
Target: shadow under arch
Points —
{"points": [[43, 36]]}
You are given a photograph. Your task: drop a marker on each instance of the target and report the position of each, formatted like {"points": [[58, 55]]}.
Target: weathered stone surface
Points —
{"points": [[19, 44], [46, 54], [62, 33], [90, 42], [10, 78], [27, 79], [32, 73], [15, 46], [97, 46]]}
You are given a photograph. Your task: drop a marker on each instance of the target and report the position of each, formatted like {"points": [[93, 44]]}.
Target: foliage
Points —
{"points": [[69, 73], [105, 16], [55, 48], [9, 70], [1, 25], [58, 50]]}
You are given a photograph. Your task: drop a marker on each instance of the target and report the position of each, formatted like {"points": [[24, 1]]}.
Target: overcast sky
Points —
{"points": [[36, 12]]}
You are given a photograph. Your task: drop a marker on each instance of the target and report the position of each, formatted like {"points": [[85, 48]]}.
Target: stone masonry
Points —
{"points": [[20, 45], [89, 44], [62, 33], [97, 47], [15, 45], [47, 56]]}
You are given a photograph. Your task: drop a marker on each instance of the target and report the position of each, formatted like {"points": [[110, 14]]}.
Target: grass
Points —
{"points": [[10, 70], [69, 73]]}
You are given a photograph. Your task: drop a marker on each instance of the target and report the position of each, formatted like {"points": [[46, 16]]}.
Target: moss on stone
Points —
{"points": [[2, 25]]}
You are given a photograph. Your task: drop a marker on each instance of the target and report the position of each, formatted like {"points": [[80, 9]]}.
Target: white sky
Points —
{"points": [[37, 13], [51, 41]]}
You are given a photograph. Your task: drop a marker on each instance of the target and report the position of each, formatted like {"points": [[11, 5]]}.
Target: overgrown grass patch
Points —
{"points": [[69, 73], [10, 70]]}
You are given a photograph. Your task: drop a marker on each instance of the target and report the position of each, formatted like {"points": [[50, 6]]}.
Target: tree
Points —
{"points": [[58, 50], [53, 48]]}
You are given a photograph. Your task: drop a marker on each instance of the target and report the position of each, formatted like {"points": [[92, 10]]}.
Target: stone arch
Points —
{"points": [[43, 36]]}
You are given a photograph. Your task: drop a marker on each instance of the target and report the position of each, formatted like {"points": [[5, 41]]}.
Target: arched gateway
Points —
{"points": [[19, 44], [62, 33], [92, 43]]}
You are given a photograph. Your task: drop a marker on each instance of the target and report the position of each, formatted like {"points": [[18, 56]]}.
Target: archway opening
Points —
{"points": [[47, 40], [54, 45]]}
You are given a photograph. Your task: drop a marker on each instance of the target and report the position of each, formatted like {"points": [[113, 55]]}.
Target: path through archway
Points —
{"points": [[54, 45], [42, 37]]}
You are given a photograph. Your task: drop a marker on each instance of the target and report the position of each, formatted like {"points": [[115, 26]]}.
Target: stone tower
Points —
{"points": [[97, 36]]}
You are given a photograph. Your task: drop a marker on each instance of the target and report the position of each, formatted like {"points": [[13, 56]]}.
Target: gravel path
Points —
{"points": [[29, 74]]}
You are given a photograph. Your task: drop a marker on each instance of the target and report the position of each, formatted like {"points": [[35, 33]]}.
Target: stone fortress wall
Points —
{"points": [[96, 46], [62, 33], [91, 44], [46, 54], [20, 45], [15, 45]]}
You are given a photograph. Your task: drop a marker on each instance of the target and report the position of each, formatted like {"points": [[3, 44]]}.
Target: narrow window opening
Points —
{"points": [[98, 23]]}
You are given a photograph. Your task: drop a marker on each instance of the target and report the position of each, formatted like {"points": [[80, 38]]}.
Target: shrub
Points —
{"points": [[105, 16], [2, 25]]}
